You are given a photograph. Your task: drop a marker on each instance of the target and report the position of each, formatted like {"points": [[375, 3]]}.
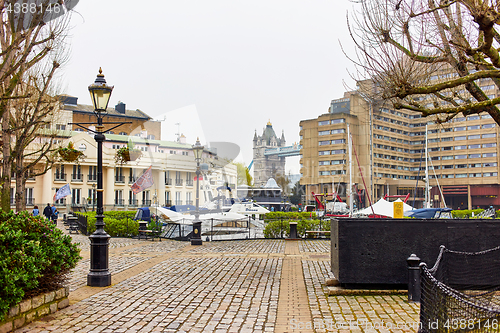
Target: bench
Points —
{"points": [[73, 224], [149, 234], [314, 233]]}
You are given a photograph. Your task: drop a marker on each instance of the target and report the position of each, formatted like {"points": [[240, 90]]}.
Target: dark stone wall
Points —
{"points": [[367, 252]]}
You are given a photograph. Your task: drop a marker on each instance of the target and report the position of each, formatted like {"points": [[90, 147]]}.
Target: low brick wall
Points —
{"points": [[34, 308]]}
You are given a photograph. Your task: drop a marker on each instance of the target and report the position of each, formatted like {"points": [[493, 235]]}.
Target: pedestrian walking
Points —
{"points": [[55, 215], [36, 212], [47, 212]]}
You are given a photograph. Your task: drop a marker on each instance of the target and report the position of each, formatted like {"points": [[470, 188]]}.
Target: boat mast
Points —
{"points": [[349, 145], [426, 203]]}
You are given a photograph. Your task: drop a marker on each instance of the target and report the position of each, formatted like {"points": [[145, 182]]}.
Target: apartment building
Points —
{"points": [[389, 153], [173, 166]]}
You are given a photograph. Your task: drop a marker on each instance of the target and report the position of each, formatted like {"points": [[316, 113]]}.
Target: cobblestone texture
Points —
{"points": [[243, 246], [229, 286], [314, 245]]}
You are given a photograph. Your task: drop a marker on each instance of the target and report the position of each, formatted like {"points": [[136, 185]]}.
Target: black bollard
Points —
{"points": [[414, 288], [293, 230]]}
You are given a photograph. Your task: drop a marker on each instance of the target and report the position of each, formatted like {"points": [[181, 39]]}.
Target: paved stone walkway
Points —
{"points": [[231, 286]]}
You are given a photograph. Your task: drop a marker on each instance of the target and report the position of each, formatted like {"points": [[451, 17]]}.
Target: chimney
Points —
{"points": [[120, 107]]}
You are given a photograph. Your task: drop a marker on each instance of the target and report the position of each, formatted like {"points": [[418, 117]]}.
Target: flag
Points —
{"points": [[62, 192], [143, 182]]}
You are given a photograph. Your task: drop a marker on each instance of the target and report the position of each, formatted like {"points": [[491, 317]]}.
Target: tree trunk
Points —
{"points": [[20, 186], [6, 165]]}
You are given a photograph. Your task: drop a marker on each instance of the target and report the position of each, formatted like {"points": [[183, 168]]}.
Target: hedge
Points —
{"points": [[281, 228], [117, 223], [35, 257]]}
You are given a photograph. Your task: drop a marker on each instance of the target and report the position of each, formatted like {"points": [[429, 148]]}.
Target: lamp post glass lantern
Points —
{"points": [[99, 275], [198, 152]]}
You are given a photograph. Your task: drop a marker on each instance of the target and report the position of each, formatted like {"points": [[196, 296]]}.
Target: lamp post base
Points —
{"points": [[196, 241], [99, 279], [99, 275]]}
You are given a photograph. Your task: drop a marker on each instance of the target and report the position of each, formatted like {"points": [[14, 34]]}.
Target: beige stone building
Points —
{"points": [[390, 147], [173, 166]]}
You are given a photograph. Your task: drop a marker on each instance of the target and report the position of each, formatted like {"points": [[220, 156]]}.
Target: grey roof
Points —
{"points": [[110, 111]]}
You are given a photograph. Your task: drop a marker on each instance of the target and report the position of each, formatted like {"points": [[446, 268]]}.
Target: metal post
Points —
{"points": [[99, 275], [196, 238], [249, 217], [414, 286]]}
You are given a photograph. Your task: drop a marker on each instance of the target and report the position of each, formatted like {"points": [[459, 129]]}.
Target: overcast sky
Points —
{"points": [[220, 68]]}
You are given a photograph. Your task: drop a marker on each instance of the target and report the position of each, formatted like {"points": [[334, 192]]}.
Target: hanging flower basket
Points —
{"points": [[70, 154], [125, 154]]}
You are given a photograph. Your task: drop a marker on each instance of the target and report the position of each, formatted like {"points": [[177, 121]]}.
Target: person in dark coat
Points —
{"points": [[47, 211]]}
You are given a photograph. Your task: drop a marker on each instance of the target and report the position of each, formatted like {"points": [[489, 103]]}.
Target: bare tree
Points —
{"points": [[27, 38], [32, 149], [433, 57]]}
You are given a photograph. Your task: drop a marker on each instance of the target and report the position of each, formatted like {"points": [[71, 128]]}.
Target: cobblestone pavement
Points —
{"points": [[230, 286]]}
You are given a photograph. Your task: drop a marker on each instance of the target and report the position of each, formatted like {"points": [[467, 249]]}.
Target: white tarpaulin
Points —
{"points": [[382, 207]]}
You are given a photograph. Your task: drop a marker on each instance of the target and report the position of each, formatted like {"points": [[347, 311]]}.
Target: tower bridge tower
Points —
{"points": [[267, 166]]}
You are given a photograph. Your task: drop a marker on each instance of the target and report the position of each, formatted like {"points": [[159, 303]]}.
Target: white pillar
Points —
{"points": [[109, 188], [47, 194], [161, 187]]}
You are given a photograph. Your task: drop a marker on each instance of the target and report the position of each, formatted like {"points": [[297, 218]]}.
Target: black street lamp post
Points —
{"points": [[99, 275], [198, 151]]}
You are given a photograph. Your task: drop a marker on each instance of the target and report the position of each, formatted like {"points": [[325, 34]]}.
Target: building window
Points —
{"points": [[338, 151], [461, 175], [474, 155], [324, 133], [471, 128], [460, 147], [492, 164], [323, 152], [458, 129], [338, 131], [178, 200], [324, 163], [60, 127], [337, 142], [457, 138], [323, 122], [489, 125], [324, 143], [122, 133], [447, 158], [474, 146], [324, 173], [489, 154], [334, 162], [489, 174], [489, 145], [473, 137], [338, 121], [76, 193], [449, 139], [489, 135], [474, 175]]}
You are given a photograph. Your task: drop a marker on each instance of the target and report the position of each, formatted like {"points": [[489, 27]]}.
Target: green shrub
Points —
{"points": [[281, 228], [465, 213], [289, 215], [34, 257], [117, 223]]}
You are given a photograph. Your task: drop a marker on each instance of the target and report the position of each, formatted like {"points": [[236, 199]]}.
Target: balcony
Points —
{"points": [[119, 179], [91, 178], [168, 181], [189, 182], [30, 201], [132, 202], [146, 203], [77, 177], [59, 177], [168, 203], [178, 182], [132, 179], [189, 202], [119, 202]]}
